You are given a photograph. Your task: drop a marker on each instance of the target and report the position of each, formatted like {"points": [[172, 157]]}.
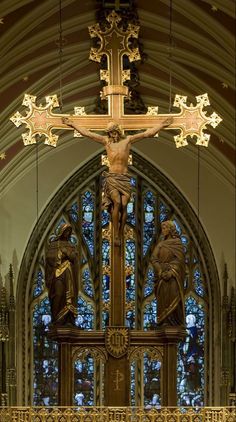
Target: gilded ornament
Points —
{"points": [[117, 341]]}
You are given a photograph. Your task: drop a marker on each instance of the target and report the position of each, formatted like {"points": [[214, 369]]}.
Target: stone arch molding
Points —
{"points": [[155, 178]]}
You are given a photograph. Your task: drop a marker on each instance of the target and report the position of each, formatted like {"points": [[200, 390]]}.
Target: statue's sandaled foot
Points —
{"points": [[117, 241]]}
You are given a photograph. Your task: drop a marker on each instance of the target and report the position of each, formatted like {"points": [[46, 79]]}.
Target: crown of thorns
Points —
{"points": [[113, 126]]}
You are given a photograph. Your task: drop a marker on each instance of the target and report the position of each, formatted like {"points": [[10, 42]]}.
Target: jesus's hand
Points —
{"points": [[67, 121]]}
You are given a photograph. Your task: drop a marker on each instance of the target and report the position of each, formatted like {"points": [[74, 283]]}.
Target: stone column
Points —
{"points": [[170, 336], [65, 375]]}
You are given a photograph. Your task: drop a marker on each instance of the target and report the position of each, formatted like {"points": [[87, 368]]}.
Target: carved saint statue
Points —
{"points": [[61, 275], [168, 262], [117, 189]]}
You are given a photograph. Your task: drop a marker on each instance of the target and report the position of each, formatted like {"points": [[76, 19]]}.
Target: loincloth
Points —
{"points": [[114, 182]]}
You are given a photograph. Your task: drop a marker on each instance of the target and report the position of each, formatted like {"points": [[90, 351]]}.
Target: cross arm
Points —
{"points": [[191, 121], [71, 122], [41, 121], [149, 133]]}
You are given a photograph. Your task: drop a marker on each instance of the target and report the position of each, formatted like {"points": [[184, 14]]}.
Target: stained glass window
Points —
{"points": [[39, 283], [131, 211], [73, 212], [88, 219], [149, 286], [45, 357], [190, 382], [105, 281], [146, 210], [198, 282], [105, 218], [163, 212], [85, 317], [152, 382], [87, 282], [133, 383], [84, 381], [149, 220], [150, 315]]}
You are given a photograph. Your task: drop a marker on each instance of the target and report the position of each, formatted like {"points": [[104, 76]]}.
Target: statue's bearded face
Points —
{"points": [[114, 135]]}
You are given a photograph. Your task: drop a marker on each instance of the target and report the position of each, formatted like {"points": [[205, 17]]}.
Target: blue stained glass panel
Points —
{"points": [[84, 382], [87, 282], [105, 218], [150, 281], [106, 275], [184, 240], [106, 287], [105, 252], [130, 319], [152, 382], [190, 367], [198, 283], [130, 262], [149, 220], [73, 212], [150, 315], [178, 228], [131, 211], [105, 319], [39, 283], [132, 383], [163, 212], [130, 287], [45, 359], [88, 220], [85, 317], [130, 252], [73, 239]]}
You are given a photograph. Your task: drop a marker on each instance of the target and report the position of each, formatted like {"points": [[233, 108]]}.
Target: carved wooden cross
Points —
{"points": [[114, 43]]}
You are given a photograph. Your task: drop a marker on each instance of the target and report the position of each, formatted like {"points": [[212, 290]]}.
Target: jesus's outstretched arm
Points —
{"points": [[83, 131], [149, 133]]}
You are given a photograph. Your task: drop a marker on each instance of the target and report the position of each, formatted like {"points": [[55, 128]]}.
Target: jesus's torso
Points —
{"points": [[118, 154]]}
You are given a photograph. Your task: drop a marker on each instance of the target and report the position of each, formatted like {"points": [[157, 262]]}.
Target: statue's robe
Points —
{"points": [[169, 256], [61, 276]]}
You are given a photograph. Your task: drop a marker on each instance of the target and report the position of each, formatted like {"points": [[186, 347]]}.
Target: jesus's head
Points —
{"points": [[114, 131]]}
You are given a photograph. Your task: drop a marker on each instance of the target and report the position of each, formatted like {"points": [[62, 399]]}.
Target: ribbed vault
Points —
{"points": [[200, 59]]}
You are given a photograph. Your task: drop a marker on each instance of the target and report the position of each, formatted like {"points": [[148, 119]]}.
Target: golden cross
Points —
{"points": [[115, 43]]}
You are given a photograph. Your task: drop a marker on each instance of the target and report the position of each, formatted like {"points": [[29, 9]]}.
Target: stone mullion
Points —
{"points": [[139, 276], [139, 383], [97, 254], [97, 284], [139, 283], [11, 367]]}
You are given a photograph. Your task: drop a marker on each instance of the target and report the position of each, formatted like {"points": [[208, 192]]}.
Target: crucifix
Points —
{"points": [[115, 42]]}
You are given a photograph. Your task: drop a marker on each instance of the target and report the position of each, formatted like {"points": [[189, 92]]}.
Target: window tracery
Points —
{"points": [[151, 208]]}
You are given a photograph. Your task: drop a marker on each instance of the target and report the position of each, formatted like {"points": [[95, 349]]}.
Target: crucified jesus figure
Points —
{"points": [[117, 188]]}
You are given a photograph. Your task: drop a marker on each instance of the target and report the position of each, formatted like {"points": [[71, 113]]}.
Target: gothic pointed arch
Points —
{"points": [[155, 199]]}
